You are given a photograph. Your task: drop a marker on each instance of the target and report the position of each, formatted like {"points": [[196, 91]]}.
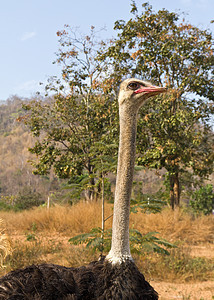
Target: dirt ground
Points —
{"points": [[191, 291]]}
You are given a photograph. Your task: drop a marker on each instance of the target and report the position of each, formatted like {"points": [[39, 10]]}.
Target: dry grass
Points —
{"points": [[63, 219], [41, 235], [179, 266], [5, 245], [176, 225], [82, 217], [46, 250]]}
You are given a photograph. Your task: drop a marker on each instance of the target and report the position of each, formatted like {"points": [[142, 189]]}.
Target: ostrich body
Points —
{"points": [[116, 276]]}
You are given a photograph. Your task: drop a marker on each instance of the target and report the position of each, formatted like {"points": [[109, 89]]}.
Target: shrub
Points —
{"points": [[203, 200], [27, 199]]}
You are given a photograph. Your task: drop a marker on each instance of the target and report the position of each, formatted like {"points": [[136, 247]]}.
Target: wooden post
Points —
{"points": [[48, 202]]}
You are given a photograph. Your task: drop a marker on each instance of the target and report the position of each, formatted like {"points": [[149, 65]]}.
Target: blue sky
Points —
{"points": [[28, 33]]}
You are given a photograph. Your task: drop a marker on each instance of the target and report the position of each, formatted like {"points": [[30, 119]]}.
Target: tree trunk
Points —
{"points": [[174, 190], [177, 190], [90, 192], [98, 191], [172, 196]]}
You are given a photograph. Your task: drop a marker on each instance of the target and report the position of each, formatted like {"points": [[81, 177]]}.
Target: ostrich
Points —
{"points": [[116, 275]]}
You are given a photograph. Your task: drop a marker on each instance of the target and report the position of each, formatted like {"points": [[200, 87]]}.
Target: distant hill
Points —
{"points": [[15, 169]]}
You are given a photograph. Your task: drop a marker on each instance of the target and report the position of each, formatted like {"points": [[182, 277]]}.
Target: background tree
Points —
{"points": [[202, 200], [174, 131], [78, 119]]}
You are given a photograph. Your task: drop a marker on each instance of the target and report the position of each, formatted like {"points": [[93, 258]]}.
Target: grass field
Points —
{"points": [[42, 235]]}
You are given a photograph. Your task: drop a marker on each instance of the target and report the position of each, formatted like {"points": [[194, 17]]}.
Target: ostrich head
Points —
{"points": [[134, 92]]}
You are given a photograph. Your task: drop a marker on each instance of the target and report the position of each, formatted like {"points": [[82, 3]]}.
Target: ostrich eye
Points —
{"points": [[133, 86]]}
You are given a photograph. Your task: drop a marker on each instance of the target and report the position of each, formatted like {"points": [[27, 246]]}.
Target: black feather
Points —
{"points": [[98, 280]]}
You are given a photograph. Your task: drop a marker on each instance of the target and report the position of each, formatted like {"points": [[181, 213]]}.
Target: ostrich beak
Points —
{"points": [[153, 90]]}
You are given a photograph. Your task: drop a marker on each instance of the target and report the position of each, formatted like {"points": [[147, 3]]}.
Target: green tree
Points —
{"points": [[78, 119], [174, 130], [203, 200]]}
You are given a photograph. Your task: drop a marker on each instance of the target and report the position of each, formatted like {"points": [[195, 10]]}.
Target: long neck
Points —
{"points": [[120, 249]]}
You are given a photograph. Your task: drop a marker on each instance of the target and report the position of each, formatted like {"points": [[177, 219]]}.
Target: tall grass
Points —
{"points": [[41, 235], [82, 217], [5, 245], [176, 225], [63, 219]]}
